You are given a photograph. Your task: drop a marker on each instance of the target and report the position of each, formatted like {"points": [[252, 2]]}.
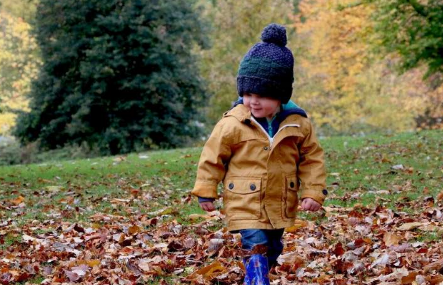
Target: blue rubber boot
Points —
{"points": [[256, 270]]}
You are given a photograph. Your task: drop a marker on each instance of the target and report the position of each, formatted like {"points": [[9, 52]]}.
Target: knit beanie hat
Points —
{"points": [[267, 68]]}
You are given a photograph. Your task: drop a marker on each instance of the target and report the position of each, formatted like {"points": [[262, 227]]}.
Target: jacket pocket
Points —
{"points": [[291, 196], [242, 198]]}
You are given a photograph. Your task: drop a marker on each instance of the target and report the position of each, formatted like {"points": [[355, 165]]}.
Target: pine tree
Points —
{"points": [[118, 75]]}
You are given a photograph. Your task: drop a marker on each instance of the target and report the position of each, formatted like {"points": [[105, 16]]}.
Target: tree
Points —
{"points": [[334, 54], [19, 9], [237, 26], [19, 63], [338, 79], [414, 30], [118, 75]]}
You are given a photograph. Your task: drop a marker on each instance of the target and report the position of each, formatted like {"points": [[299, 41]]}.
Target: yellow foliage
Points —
{"points": [[237, 26], [19, 64], [338, 81], [334, 52]]}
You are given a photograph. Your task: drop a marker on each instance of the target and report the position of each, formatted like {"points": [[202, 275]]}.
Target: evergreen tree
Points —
{"points": [[119, 75]]}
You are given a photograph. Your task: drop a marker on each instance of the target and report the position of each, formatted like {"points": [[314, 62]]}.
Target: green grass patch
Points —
{"points": [[388, 170]]}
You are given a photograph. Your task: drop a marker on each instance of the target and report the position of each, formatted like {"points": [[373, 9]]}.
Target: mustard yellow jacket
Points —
{"points": [[261, 175]]}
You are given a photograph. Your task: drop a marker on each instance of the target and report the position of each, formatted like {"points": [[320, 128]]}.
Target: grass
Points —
{"points": [[362, 168], [9, 239], [360, 172], [92, 185]]}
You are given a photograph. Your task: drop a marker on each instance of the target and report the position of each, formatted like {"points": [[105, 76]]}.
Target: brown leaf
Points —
{"points": [[175, 245], [209, 272], [17, 201], [409, 278], [22, 277], [291, 258], [338, 250], [298, 224], [134, 230], [342, 267], [436, 265], [79, 228], [409, 226], [144, 265], [391, 239], [435, 280]]}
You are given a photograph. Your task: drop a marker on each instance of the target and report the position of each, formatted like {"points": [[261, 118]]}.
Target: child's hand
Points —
{"points": [[207, 206], [309, 204]]}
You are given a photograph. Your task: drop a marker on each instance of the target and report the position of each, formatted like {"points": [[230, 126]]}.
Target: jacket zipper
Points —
{"points": [[271, 140]]}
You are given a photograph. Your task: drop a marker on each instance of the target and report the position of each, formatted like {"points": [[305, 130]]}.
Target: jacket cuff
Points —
{"points": [[205, 189], [318, 194], [202, 200]]}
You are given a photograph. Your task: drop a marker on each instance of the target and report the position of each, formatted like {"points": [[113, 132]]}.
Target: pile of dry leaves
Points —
{"points": [[356, 245]]}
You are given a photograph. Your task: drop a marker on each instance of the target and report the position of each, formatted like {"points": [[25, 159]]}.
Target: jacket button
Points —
{"points": [[266, 148], [253, 187], [325, 192], [231, 185], [292, 184]]}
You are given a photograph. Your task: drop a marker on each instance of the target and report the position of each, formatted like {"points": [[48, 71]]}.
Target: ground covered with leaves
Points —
{"points": [[130, 220]]}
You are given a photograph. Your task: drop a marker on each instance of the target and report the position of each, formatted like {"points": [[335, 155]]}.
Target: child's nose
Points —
{"points": [[254, 100]]}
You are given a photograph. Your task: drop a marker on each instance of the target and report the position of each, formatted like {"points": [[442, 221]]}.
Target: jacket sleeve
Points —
{"points": [[211, 167], [311, 169]]}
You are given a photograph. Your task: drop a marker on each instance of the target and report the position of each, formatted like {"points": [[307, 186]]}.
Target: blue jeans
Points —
{"points": [[270, 238]]}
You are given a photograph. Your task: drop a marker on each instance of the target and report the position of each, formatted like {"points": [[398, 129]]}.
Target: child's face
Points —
{"points": [[261, 107]]}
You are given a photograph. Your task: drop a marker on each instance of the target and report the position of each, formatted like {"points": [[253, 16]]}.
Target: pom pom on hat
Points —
{"points": [[274, 33]]}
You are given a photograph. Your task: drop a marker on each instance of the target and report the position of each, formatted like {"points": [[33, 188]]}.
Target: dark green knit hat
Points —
{"points": [[268, 67]]}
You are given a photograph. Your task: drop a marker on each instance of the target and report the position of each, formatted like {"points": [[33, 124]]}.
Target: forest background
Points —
{"points": [[362, 66]]}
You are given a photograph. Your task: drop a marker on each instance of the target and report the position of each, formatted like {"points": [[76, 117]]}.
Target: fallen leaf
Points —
{"points": [[436, 265], [193, 217], [54, 188], [119, 159], [93, 262], [338, 249], [398, 167], [209, 272], [215, 244], [17, 201], [297, 225], [72, 276], [410, 226], [382, 260], [435, 280], [409, 278], [144, 265], [80, 270], [391, 239], [134, 230]]}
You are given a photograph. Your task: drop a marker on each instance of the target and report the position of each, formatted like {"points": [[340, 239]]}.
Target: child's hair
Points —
{"points": [[268, 67]]}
